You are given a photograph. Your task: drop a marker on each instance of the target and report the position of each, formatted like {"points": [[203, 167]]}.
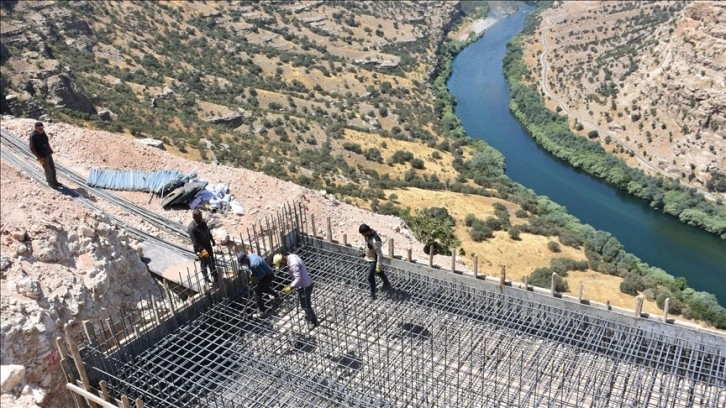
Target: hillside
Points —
{"points": [[302, 91], [648, 76]]}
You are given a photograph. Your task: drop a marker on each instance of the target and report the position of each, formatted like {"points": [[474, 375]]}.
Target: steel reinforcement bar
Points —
{"points": [[430, 342]]}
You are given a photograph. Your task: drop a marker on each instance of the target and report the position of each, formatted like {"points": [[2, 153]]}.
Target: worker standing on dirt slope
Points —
{"points": [[202, 241], [302, 283], [40, 147], [373, 256], [261, 278]]}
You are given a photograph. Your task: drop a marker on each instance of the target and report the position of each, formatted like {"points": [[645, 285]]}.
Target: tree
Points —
{"points": [[431, 225], [542, 277]]}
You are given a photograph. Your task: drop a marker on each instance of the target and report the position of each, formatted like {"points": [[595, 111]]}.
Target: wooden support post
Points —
{"points": [[139, 403], [390, 248], [63, 353], [409, 256], [579, 294], [431, 257], [526, 282], [554, 282], [638, 306], [476, 265], [77, 360], [666, 306], [104, 390], [453, 260], [312, 223], [502, 276], [607, 304], [125, 402], [330, 229], [95, 400], [345, 239]]}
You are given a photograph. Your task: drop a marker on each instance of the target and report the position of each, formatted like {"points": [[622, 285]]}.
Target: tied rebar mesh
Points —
{"points": [[431, 342]]}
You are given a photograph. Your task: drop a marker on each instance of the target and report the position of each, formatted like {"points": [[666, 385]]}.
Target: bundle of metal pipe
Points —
{"points": [[136, 180]]}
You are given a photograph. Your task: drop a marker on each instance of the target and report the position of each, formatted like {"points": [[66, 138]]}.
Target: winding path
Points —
{"points": [[543, 81]]}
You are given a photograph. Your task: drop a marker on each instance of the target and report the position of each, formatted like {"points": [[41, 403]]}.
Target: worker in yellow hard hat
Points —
{"points": [[302, 283]]}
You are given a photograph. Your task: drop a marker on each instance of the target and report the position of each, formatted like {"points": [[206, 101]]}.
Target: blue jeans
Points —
{"points": [[306, 303], [372, 277]]}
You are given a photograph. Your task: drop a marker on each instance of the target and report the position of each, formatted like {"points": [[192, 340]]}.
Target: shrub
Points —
{"points": [[417, 164], [494, 224], [542, 277], [401, 156], [374, 155], [514, 233], [521, 213], [553, 246], [480, 231], [570, 240], [470, 218], [353, 147], [631, 284]]}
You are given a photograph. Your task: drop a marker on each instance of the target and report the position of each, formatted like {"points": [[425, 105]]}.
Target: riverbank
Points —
{"points": [[476, 27], [481, 95]]}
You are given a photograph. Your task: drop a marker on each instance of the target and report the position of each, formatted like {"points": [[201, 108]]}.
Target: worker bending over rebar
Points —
{"points": [[302, 283], [261, 276]]}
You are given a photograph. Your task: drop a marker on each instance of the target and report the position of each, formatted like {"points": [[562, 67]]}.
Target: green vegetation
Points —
{"points": [[604, 252], [433, 225]]}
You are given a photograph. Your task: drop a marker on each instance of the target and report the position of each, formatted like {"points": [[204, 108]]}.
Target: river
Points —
{"points": [[482, 93]]}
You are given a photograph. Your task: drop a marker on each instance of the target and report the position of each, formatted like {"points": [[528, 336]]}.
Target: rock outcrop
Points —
{"points": [[65, 93], [660, 65], [231, 120], [60, 269]]}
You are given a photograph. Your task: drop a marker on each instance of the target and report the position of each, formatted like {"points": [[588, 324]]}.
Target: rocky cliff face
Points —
{"points": [[690, 87], [60, 263], [29, 63], [652, 73]]}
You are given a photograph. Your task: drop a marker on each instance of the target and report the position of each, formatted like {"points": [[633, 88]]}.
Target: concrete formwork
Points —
{"points": [[439, 339]]}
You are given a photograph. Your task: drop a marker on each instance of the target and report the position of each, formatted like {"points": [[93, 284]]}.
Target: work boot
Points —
{"points": [[373, 296]]}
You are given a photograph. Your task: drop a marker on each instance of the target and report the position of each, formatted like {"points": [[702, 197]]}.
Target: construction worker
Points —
{"points": [[302, 283], [202, 242], [40, 147], [261, 277], [373, 256]]}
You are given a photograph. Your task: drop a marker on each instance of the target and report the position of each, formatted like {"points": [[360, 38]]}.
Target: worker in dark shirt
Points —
{"points": [[202, 242], [40, 147]]}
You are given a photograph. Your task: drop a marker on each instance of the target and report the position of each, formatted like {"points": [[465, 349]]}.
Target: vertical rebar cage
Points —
{"points": [[438, 340]]}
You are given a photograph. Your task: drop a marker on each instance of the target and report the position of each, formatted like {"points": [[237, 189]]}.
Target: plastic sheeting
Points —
{"points": [[217, 197]]}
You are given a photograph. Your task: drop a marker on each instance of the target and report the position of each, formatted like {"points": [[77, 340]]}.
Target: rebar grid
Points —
{"points": [[431, 342]]}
